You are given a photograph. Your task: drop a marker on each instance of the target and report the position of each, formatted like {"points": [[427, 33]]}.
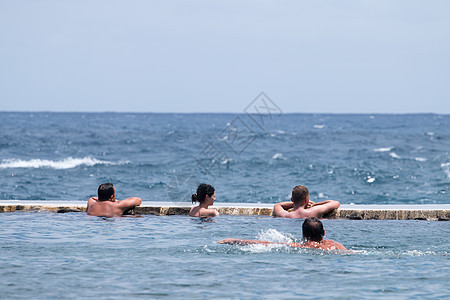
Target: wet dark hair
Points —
{"points": [[313, 229], [203, 190], [105, 191], [299, 194]]}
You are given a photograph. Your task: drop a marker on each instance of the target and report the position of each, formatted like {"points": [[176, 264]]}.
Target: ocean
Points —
{"points": [[355, 158], [361, 159]]}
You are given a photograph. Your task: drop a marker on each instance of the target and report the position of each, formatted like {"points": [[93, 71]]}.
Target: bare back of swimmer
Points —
{"points": [[106, 204]]}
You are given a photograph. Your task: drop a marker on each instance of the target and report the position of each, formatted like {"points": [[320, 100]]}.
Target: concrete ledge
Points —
{"points": [[432, 212]]}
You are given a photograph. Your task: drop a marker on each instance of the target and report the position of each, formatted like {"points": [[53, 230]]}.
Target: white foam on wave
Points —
{"points": [[226, 161], [397, 254], [319, 126], [67, 163], [278, 156], [394, 155], [419, 253], [446, 168], [383, 149], [420, 159]]}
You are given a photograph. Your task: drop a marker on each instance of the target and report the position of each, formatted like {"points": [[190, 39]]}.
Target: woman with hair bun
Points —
{"points": [[205, 196]]}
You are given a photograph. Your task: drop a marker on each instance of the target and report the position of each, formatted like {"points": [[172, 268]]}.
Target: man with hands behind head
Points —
{"points": [[301, 206]]}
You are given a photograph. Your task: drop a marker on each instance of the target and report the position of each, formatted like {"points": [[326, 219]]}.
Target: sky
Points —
{"points": [[358, 56]]}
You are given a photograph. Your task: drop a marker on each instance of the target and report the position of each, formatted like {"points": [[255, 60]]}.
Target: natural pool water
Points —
{"points": [[67, 256]]}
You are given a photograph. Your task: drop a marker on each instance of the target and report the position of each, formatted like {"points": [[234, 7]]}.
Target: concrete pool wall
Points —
{"points": [[432, 212]]}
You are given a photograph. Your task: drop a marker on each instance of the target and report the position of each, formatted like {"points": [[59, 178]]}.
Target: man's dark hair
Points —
{"points": [[299, 194], [203, 190], [313, 229], [105, 191]]}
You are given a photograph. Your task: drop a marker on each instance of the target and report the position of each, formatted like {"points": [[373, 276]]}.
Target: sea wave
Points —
{"points": [[383, 149], [422, 159], [278, 156], [67, 163], [446, 167], [394, 155]]}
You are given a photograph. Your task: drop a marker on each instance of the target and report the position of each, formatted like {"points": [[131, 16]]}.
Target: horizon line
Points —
{"points": [[229, 113]]}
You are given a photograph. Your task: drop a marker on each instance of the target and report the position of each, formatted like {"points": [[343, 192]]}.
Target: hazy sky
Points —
{"points": [[216, 56]]}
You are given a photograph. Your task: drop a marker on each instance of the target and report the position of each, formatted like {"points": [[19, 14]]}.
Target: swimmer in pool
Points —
{"points": [[302, 207], [313, 233], [106, 204], [205, 196]]}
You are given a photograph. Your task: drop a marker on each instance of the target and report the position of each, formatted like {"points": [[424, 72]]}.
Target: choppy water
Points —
{"points": [[75, 256], [361, 159]]}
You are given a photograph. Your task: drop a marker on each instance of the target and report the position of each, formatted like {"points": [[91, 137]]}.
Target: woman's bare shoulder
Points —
{"points": [[194, 211], [208, 212]]}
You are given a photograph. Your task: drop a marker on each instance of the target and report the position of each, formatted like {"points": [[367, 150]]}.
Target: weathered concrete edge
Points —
{"points": [[342, 213]]}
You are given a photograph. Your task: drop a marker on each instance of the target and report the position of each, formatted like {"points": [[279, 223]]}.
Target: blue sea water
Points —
{"points": [[361, 159], [75, 256]]}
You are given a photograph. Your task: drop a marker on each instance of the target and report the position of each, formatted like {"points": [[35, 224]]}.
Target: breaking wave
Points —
{"points": [[67, 163], [383, 149]]}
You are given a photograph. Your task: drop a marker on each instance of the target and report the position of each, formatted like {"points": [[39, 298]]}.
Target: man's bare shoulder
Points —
{"points": [[104, 209], [332, 245], [329, 245]]}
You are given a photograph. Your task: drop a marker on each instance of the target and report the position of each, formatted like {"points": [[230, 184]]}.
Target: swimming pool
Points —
{"points": [[66, 256]]}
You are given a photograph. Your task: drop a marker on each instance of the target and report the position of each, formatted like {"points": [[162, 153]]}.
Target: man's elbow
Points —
{"points": [[134, 201], [275, 210], [277, 207], [138, 201], [280, 213], [334, 204]]}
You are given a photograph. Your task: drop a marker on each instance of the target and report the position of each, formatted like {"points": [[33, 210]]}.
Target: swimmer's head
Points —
{"points": [[300, 195], [313, 229], [106, 191], [202, 191]]}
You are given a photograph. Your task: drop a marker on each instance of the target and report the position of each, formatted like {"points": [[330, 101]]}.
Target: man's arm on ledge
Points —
{"points": [[130, 203], [281, 209], [324, 207], [91, 201]]}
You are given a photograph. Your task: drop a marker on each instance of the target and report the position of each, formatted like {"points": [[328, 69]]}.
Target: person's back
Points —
{"points": [[106, 204], [301, 206], [323, 245]]}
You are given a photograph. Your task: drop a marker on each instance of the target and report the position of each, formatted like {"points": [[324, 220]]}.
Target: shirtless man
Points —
{"points": [[302, 207], [313, 233], [106, 204]]}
